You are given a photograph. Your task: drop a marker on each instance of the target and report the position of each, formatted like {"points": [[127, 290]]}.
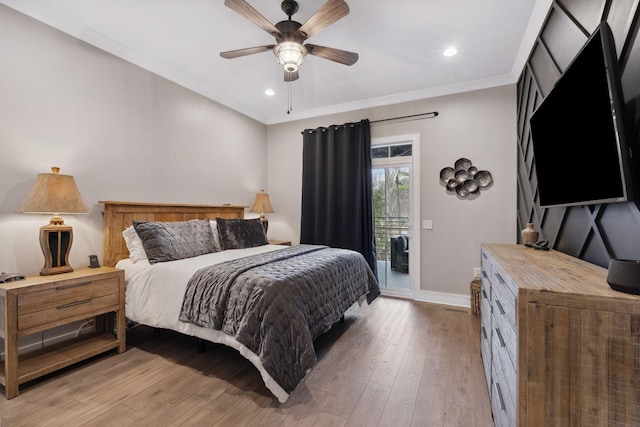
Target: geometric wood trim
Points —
{"points": [[591, 230], [632, 33]]}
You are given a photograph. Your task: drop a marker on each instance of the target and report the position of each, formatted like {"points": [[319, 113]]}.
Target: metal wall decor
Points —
{"points": [[465, 179]]}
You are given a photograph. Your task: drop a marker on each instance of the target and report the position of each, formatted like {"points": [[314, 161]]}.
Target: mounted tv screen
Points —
{"points": [[579, 144]]}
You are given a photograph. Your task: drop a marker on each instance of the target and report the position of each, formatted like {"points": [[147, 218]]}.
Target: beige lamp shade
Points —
{"points": [[262, 204], [54, 193]]}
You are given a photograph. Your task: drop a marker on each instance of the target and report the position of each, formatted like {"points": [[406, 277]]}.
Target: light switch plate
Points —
{"points": [[427, 224]]}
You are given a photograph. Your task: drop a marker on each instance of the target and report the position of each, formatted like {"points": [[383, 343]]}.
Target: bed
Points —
{"points": [[269, 302]]}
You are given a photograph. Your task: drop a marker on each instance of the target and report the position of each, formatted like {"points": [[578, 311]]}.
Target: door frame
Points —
{"points": [[414, 208]]}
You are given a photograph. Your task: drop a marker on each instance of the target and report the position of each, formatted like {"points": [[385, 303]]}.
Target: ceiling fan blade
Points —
{"points": [[245, 9], [290, 77], [336, 55], [329, 13], [230, 54]]}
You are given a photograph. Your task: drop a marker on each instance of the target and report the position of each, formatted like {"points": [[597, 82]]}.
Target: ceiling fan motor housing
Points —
{"points": [[289, 7]]}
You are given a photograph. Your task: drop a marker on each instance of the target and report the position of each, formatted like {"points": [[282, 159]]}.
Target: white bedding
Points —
{"points": [[154, 297]]}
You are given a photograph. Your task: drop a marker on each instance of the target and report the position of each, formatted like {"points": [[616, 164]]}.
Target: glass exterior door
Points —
{"points": [[392, 207]]}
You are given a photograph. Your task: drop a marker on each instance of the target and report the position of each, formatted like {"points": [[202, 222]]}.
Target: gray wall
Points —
{"points": [[599, 232], [479, 125], [122, 132], [126, 134]]}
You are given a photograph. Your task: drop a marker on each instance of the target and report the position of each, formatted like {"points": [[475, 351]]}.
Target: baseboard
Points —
{"points": [[443, 298]]}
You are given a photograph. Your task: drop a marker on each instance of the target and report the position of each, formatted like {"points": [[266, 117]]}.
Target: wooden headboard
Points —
{"points": [[119, 215]]}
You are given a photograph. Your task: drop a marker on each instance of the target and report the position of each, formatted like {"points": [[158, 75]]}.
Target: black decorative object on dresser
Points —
{"points": [[624, 275]]}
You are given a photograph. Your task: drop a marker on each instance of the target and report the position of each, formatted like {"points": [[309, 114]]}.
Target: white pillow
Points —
{"points": [[134, 244], [216, 236]]}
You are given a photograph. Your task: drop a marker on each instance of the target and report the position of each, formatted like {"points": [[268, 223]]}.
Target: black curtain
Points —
{"points": [[337, 200]]}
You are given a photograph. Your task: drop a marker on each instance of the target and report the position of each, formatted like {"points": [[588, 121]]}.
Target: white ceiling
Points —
{"points": [[400, 44]]}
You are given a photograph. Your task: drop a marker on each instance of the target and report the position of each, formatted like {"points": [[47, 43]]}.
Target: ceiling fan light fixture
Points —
{"points": [[290, 55]]}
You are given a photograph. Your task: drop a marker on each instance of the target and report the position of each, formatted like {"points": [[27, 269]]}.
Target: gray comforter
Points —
{"points": [[277, 303]]}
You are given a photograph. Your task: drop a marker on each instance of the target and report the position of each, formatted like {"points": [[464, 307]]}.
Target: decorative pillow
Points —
{"points": [[134, 244], [169, 241], [241, 233], [216, 236]]}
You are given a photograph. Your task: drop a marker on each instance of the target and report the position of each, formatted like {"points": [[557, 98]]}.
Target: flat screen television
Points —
{"points": [[579, 142]]}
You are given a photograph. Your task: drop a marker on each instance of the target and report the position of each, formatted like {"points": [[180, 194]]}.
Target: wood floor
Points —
{"points": [[394, 363]]}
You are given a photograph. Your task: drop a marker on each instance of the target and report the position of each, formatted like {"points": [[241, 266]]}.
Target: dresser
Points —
{"points": [[39, 303], [559, 346]]}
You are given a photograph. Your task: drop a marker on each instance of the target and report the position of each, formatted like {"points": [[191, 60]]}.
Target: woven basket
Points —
{"points": [[474, 286]]}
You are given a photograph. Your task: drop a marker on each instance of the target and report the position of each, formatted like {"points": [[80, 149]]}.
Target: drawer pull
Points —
{"points": [[500, 398], [502, 343], [71, 304], [484, 255], [500, 309], [484, 332], [73, 285], [484, 295], [484, 274], [500, 278]]}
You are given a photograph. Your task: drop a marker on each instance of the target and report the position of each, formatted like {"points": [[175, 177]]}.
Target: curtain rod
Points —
{"points": [[432, 114]]}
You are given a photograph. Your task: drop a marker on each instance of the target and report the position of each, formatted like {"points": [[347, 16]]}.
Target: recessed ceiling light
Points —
{"points": [[269, 92], [450, 51]]}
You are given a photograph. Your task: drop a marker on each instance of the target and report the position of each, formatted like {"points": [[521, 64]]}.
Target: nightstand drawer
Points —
{"points": [[66, 313], [66, 293]]}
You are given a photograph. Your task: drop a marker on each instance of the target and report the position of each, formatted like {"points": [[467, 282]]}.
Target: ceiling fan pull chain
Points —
{"points": [[289, 98]]}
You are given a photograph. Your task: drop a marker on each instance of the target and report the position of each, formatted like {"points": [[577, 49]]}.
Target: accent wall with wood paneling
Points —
{"points": [[595, 233]]}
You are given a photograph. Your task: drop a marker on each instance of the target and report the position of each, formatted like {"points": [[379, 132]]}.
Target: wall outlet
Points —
{"points": [[427, 224], [477, 271]]}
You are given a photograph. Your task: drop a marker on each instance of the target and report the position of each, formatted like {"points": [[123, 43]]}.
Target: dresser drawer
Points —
{"points": [[485, 296], [500, 277], [64, 302], [485, 263], [502, 403], [502, 363], [485, 351], [504, 337], [504, 303]]}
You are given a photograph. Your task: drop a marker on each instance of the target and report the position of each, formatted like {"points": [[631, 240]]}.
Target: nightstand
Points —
{"points": [[280, 242], [39, 303]]}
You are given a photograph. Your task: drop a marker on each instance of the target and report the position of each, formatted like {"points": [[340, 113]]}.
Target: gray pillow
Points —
{"points": [[169, 241], [241, 233]]}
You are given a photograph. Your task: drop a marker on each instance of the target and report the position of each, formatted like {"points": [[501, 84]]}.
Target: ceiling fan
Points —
{"points": [[291, 35]]}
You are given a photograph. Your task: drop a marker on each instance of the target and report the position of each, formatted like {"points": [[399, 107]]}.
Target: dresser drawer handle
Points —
{"points": [[500, 278], [500, 309], [73, 285], [71, 304], [484, 332], [484, 295], [484, 274], [500, 398], [484, 255], [502, 343]]}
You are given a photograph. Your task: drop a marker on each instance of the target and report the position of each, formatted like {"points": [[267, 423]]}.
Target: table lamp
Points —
{"points": [[262, 204], [56, 194]]}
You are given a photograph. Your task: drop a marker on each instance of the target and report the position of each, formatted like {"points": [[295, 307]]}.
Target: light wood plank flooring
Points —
{"points": [[394, 363]]}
